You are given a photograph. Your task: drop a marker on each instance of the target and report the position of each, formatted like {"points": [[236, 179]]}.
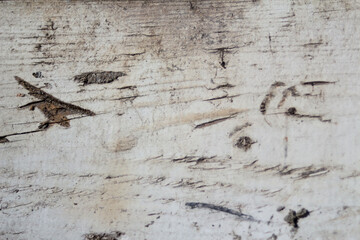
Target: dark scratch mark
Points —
{"points": [[286, 171], [239, 214], [313, 173], [222, 97], [270, 168], [216, 98], [215, 121], [149, 224], [98, 77], [313, 83], [4, 139], [142, 34], [270, 43], [104, 236], [54, 109], [127, 87], [250, 164], [221, 86], [313, 44], [133, 54], [43, 62], [191, 159]]}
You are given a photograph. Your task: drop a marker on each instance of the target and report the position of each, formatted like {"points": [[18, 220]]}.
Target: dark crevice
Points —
{"points": [[293, 112], [313, 83], [215, 121], [239, 214]]}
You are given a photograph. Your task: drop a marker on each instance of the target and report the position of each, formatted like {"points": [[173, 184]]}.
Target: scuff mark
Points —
{"points": [[293, 112], [103, 236], [286, 93], [270, 95], [239, 128], [239, 214], [54, 109], [98, 77]]}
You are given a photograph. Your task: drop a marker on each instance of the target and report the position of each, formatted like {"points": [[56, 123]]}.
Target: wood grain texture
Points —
{"points": [[229, 120]]}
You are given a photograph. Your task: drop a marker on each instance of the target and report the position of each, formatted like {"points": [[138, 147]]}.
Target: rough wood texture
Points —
{"points": [[211, 119]]}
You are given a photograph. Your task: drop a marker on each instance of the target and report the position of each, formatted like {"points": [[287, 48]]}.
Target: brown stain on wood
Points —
{"points": [[55, 110], [98, 77]]}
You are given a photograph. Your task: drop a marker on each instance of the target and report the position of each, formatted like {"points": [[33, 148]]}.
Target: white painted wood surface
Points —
{"points": [[246, 106]]}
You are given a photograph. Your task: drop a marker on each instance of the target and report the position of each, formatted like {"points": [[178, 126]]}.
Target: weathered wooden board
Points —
{"points": [[180, 119]]}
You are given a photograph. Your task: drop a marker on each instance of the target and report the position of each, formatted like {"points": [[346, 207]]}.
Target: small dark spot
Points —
{"points": [[244, 143], [37, 74], [279, 209], [292, 219], [291, 111], [38, 47], [223, 64]]}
